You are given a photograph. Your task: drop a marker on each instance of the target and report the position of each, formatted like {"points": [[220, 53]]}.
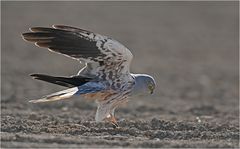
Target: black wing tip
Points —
{"points": [[69, 28], [34, 29], [40, 31], [33, 74], [37, 29], [56, 27], [36, 75], [38, 37], [27, 35], [62, 26], [23, 35]]}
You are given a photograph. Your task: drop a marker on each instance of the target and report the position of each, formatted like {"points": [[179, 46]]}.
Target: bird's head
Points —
{"points": [[144, 84]]}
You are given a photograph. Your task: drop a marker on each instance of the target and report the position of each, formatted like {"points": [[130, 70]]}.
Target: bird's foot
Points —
{"points": [[113, 121], [115, 125]]}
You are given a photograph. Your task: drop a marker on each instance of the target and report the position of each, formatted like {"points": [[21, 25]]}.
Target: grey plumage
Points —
{"points": [[107, 64]]}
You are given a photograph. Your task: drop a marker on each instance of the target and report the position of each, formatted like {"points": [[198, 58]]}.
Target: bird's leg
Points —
{"points": [[111, 118], [114, 121]]}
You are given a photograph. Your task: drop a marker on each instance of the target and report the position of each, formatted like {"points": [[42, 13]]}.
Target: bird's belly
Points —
{"points": [[99, 96]]}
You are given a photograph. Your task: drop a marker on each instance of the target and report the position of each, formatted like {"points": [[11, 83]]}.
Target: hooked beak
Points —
{"points": [[151, 90]]}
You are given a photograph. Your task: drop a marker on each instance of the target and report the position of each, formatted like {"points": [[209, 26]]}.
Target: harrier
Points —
{"points": [[106, 77]]}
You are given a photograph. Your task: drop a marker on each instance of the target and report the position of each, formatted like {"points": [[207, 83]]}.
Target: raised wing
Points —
{"points": [[101, 54]]}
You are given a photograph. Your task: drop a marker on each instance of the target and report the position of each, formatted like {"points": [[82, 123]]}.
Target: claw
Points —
{"points": [[115, 125], [112, 120]]}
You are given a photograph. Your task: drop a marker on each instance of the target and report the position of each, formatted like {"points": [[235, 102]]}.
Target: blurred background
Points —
{"points": [[191, 49]]}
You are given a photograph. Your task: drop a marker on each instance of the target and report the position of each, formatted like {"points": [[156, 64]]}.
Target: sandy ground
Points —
{"points": [[191, 48]]}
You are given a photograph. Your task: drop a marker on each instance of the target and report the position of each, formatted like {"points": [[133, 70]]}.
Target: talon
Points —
{"points": [[113, 121], [115, 125]]}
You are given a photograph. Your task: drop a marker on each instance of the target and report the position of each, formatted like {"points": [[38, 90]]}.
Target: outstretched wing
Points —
{"points": [[104, 57]]}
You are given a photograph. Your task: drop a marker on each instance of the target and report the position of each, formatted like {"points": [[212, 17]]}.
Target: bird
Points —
{"points": [[105, 77]]}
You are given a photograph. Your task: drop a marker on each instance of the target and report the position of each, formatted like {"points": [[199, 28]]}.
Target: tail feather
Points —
{"points": [[88, 88], [63, 81], [57, 96]]}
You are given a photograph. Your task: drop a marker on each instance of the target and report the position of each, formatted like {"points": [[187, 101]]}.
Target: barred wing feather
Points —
{"points": [[100, 53]]}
